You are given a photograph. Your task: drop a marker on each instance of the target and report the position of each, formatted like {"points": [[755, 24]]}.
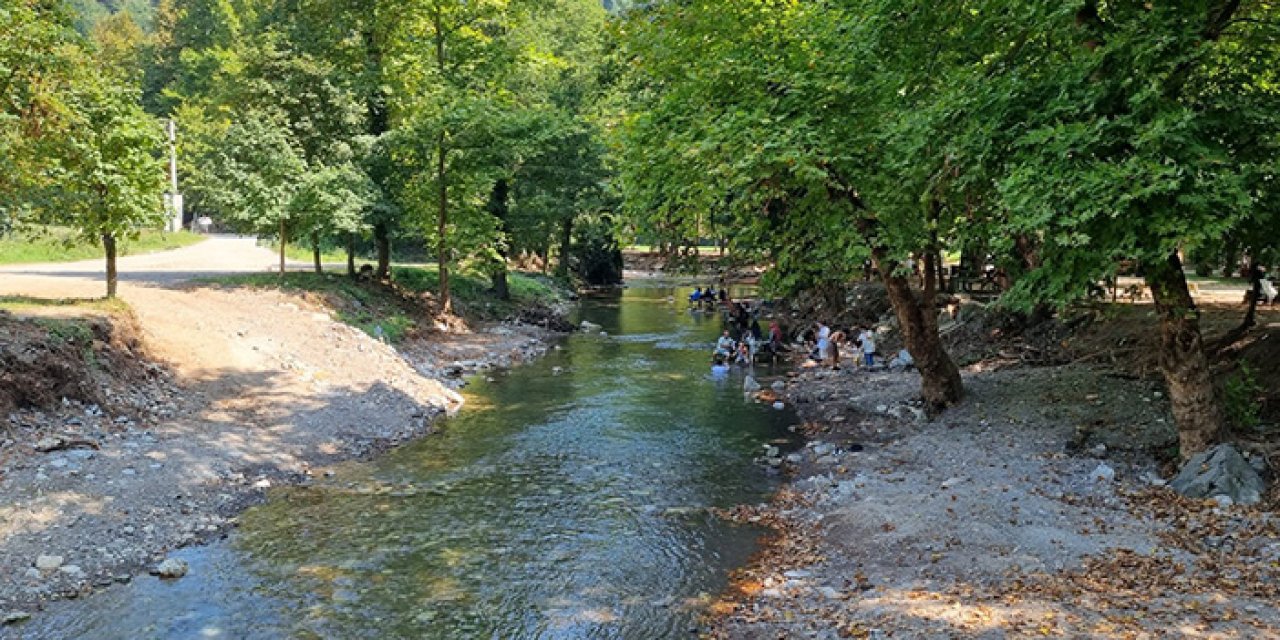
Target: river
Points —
{"points": [[568, 499]]}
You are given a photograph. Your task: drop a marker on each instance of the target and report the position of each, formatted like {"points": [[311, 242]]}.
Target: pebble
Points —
{"points": [[48, 563], [11, 617], [1103, 473]]}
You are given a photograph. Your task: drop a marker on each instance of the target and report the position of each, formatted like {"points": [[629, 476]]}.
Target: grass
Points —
{"points": [[471, 290], [381, 312], [18, 304], [58, 244], [302, 252]]}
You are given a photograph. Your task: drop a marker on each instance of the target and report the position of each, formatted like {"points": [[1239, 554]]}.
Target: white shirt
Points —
{"points": [[868, 341]]}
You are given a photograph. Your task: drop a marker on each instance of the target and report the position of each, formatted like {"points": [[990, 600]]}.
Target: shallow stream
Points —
{"points": [[567, 500]]}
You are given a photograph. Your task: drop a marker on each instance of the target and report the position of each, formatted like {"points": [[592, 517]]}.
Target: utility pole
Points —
{"points": [[173, 199]]}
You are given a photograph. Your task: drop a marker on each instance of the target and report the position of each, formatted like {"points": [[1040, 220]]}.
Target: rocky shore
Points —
{"points": [[95, 493], [1034, 509]]}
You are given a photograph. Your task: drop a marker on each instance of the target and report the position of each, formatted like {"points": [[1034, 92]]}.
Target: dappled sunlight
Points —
{"points": [[964, 611], [51, 509]]}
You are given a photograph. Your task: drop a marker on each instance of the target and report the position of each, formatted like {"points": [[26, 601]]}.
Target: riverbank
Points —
{"points": [[237, 390], [1033, 509]]}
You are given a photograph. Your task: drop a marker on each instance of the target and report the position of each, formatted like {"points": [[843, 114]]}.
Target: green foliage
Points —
{"points": [[382, 312], [251, 178], [596, 256], [1241, 394], [67, 331], [109, 177]]}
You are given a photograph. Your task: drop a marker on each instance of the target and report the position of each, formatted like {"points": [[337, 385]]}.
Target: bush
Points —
{"points": [[1240, 395]]}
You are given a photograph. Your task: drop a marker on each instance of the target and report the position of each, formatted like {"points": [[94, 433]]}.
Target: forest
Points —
{"points": [[1057, 143], [1040, 151]]}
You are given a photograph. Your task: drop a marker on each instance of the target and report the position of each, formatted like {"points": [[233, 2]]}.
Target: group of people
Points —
{"points": [[750, 341], [708, 296], [828, 342]]}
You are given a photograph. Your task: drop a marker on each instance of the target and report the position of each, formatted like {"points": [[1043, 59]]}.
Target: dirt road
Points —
{"points": [[265, 384]]}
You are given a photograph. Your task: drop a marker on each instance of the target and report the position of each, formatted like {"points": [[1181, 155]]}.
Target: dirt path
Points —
{"points": [[264, 386]]}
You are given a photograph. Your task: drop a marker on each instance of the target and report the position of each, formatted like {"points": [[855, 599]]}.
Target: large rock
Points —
{"points": [[1220, 471]]}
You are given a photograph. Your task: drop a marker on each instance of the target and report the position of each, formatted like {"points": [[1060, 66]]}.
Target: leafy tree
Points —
{"points": [[1155, 133], [40, 59], [109, 175], [252, 177]]}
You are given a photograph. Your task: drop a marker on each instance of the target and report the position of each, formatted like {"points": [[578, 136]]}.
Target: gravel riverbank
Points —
{"points": [[1033, 509], [263, 388]]}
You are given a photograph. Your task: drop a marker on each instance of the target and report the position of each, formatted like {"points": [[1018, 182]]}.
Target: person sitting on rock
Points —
{"points": [[744, 353], [696, 295]]}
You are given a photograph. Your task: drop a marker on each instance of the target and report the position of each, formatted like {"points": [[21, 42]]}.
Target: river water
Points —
{"points": [[567, 500]]}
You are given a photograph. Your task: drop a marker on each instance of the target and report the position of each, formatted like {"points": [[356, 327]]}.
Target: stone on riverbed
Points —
{"points": [[12, 617], [1219, 471], [170, 568], [48, 563]]}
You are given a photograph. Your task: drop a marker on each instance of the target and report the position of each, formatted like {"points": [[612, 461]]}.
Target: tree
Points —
{"points": [[40, 60], [110, 175], [252, 177], [1155, 133]]}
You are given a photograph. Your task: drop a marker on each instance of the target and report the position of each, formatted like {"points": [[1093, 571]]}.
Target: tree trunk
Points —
{"points": [[351, 255], [442, 226], [498, 208], [940, 383], [315, 252], [566, 242], [283, 239], [382, 238], [109, 246], [1255, 293], [1197, 409], [379, 122]]}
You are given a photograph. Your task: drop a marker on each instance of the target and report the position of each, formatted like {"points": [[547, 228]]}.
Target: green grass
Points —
{"points": [[18, 304], [56, 244], [471, 290], [369, 306], [302, 252]]}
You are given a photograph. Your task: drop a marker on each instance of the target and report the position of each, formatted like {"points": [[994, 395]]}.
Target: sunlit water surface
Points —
{"points": [[567, 500]]}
